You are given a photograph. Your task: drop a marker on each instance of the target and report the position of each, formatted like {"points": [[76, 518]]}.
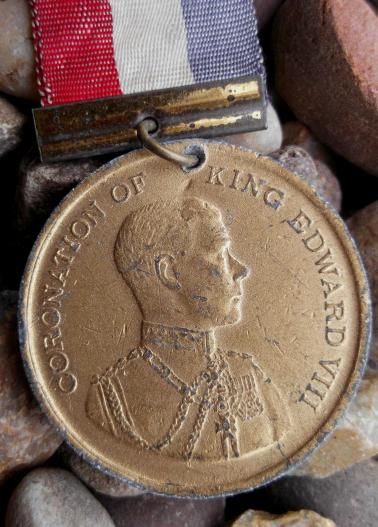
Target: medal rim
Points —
{"points": [[351, 386]]}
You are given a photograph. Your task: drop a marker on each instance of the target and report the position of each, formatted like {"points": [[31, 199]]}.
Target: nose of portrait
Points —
{"points": [[239, 270]]}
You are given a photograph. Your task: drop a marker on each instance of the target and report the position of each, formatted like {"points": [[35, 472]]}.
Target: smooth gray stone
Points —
{"points": [[156, 511], [52, 497], [11, 123]]}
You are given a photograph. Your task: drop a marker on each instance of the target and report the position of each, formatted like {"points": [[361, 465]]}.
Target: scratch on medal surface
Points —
{"points": [[122, 333], [279, 446], [277, 260], [91, 329], [271, 340], [188, 185], [266, 244], [293, 273], [277, 345], [308, 312]]}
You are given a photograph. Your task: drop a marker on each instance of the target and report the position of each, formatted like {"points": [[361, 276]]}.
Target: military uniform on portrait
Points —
{"points": [[178, 393], [224, 407]]}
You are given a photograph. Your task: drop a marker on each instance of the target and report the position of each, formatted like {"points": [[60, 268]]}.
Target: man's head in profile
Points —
{"points": [[175, 256]]}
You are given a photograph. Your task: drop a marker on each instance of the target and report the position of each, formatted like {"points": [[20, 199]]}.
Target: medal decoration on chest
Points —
{"points": [[198, 326], [226, 396]]}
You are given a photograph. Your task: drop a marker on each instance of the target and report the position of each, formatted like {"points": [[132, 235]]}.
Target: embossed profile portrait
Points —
{"points": [[178, 393]]}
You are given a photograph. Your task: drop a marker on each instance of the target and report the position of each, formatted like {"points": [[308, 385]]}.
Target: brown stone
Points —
{"points": [[326, 55], [17, 75], [265, 9], [291, 519], [49, 497], [328, 185], [296, 133], [97, 480], [297, 160], [364, 229], [265, 141], [11, 123], [155, 511], [42, 186], [349, 498], [26, 438]]}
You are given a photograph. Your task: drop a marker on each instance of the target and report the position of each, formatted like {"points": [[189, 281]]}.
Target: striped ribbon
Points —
{"points": [[89, 49]]}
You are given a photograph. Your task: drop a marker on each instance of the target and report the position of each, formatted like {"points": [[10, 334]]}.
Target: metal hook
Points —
{"points": [[144, 128]]}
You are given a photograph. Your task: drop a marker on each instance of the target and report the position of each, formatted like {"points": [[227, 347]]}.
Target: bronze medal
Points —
{"points": [[195, 332]]}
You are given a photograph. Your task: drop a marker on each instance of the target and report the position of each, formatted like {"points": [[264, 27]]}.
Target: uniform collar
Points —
{"points": [[158, 336]]}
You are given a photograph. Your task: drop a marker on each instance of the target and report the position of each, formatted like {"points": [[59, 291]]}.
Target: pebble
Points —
{"points": [[297, 160], [51, 497], [155, 511], [26, 437], [291, 519], [97, 480], [265, 9], [326, 55], [363, 226], [349, 498], [11, 123], [42, 186], [264, 141], [17, 75], [296, 133]]}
